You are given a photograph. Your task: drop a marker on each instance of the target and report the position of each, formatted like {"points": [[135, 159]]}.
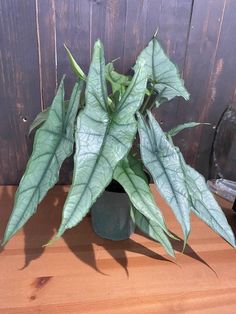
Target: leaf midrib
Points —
{"points": [[137, 190], [99, 154], [194, 200], [164, 170], [42, 176], [61, 137]]}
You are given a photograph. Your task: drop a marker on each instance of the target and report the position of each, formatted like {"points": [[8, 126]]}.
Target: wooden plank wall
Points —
{"points": [[199, 35]]}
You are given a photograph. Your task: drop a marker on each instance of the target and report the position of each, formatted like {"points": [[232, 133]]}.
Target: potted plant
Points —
{"points": [[103, 127]]}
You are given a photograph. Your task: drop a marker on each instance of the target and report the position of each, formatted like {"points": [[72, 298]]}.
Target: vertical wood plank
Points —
{"points": [[173, 22], [45, 17], [143, 18], [222, 85], [19, 85], [108, 24], [171, 18], [135, 31], [203, 74], [97, 22], [114, 31], [73, 29]]}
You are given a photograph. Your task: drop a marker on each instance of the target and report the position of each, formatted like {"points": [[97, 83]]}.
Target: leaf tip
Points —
{"points": [[62, 80], [173, 254], [5, 239], [2, 243], [30, 131], [187, 95], [98, 44], [156, 32], [231, 239], [170, 251], [53, 240], [114, 60], [66, 47], [69, 54], [186, 236]]}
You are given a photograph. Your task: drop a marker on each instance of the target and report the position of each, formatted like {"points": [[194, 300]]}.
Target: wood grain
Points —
{"points": [[19, 85], [73, 29], [46, 33], [173, 20], [208, 76], [222, 86], [82, 273], [114, 31]]}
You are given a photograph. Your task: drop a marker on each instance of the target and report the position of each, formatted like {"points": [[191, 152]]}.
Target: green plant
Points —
{"points": [[106, 125]]}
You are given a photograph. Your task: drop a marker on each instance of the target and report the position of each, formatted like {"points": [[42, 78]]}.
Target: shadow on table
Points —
{"points": [[188, 251], [40, 229], [116, 249], [6, 203], [178, 246]]}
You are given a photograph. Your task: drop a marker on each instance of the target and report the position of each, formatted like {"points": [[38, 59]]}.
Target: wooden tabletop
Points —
{"points": [[82, 273]]}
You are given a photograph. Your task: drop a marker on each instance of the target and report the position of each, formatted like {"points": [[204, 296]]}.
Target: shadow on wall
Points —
{"points": [[81, 239]]}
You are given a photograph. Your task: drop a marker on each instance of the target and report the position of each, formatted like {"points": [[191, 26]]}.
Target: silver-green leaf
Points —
{"points": [[74, 65], [204, 205], [130, 175], [42, 117], [39, 120], [119, 82], [103, 138], [162, 72], [185, 185], [162, 160], [151, 229], [52, 145], [183, 126]]}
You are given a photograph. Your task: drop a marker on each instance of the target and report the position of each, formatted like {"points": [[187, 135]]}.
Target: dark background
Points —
{"points": [[199, 35]]}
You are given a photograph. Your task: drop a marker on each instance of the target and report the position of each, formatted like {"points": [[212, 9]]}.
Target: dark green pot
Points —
{"points": [[111, 216]]}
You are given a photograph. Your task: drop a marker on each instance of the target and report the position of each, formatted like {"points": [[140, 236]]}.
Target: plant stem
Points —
{"points": [[143, 108], [145, 105]]}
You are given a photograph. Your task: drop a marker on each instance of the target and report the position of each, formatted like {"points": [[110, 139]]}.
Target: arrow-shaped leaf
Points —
{"points": [[179, 183], [103, 138], [152, 230], [162, 72], [204, 205], [162, 160], [147, 215], [39, 119], [52, 145], [42, 117]]}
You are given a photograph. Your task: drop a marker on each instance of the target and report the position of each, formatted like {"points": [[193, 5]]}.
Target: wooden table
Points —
{"points": [[82, 273]]}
